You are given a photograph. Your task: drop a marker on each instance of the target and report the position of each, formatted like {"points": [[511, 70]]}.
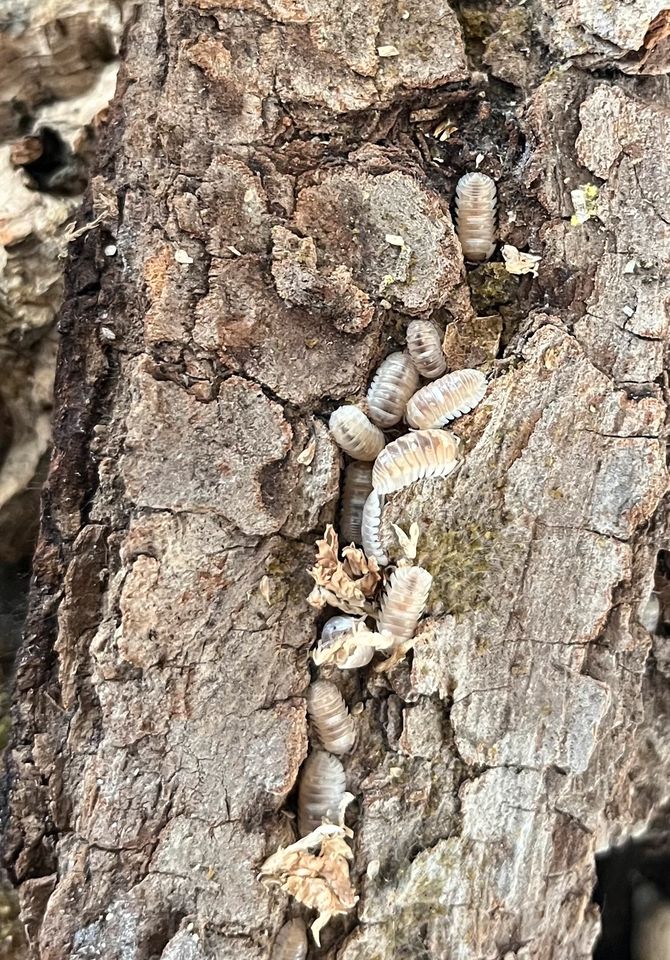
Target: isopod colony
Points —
{"points": [[377, 468]]}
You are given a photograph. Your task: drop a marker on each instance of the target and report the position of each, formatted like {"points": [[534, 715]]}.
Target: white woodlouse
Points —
{"points": [[414, 456], [445, 399], [334, 726], [393, 384], [425, 348], [476, 215], [355, 434], [321, 791], [404, 602], [332, 630], [357, 486], [370, 527], [291, 941]]}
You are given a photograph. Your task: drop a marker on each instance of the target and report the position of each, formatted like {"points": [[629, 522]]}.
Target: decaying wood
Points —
{"points": [[258, 158]]}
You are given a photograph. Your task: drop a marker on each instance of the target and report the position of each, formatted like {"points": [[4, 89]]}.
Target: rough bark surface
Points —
{"points": [[258, 156]]}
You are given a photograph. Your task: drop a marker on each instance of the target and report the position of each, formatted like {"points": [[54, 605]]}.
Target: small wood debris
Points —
{"points": [[347, 584], [307, 455], [388, 50], [319, 880], [517, 262], [585, 202], [181, 256]]}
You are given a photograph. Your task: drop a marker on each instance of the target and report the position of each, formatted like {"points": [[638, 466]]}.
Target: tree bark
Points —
{"points": [[258, 157]]}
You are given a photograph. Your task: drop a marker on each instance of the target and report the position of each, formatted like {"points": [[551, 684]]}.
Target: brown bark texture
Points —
{"points": [[258, 156]]}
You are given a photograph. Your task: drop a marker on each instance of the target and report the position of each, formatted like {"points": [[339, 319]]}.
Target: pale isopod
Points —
{"points": [[445, 399], [426, 453], [332, 630], [355, 434], [476, 215], [370, 527], [291, 941], [404, 602], [425, 348], [393, 384], [357, 486], [328, 712], [321, 791]]}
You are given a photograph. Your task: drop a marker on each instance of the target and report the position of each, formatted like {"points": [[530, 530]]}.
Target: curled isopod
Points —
{"points": [[404, 602], [370, 528], [321, 791], [476, 215], [445, 399], [328, 712], [355, 434], [393, 384], [425, 348], [329, 649], [414, 456], [357, 486], [291, 941]]}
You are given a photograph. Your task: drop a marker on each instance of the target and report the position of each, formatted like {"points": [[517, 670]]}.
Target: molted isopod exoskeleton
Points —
{"points": [[649, 613], [357, 486], [291, 941], [404, 602], [332, 631], [445, 399], [370, 527], [425, 348], [476, 215], [328, 712], [355, 434], [321, 791], [415, 456], [393, 384]]}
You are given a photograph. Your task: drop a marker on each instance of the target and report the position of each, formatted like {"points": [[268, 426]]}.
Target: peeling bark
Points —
{"points": [[257, 157]]}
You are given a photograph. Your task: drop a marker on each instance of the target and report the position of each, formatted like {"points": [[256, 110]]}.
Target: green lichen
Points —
{"points": [[458, 558], [491, 286]]}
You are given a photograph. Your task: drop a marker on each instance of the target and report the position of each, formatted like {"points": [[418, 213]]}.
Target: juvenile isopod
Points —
{"points": [[291, 941], [404, 602], [328, 712], [357, 486], [425, 348], [476, 215], [414, 456], [355, 434], [393, 384], [321, 791], [445, 399], [370, 527]]}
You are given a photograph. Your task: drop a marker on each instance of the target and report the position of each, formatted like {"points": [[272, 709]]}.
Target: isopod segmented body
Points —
{"points": [[425, 348], [355, 434], [476, 215], [291, 941], [414, 456], [404, 602], [445, 399], [321, 791], [393, 384], [332, 721], [370, 527], [357, 486]]}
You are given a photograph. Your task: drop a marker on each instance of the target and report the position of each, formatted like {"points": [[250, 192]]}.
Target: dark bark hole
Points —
{"points": [[49, 162], [633, 893]]}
